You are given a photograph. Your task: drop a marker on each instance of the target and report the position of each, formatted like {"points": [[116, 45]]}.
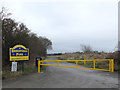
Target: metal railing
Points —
{"points": [[111, 64]]}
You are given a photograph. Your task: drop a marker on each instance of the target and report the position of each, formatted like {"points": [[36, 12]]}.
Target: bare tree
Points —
{"points": [[86, 48], [4, 14]]}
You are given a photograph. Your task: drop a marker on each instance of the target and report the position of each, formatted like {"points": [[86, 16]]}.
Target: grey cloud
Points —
{"points": [[70, 24]]}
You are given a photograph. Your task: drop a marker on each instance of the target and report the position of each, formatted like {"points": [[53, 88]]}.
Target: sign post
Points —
{"points": [[19, 53], [23, 66]]}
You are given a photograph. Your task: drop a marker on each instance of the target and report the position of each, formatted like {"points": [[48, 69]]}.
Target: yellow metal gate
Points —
{"points": [[111, 64]]}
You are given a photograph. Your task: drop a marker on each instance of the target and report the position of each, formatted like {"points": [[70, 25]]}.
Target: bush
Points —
{"points": [[116, 57]]}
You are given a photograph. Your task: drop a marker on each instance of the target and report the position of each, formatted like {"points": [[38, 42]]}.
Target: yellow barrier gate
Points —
{"points": [[111, 64]]}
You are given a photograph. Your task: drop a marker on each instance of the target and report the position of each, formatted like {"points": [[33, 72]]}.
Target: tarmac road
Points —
{"points": [[59, 77]]}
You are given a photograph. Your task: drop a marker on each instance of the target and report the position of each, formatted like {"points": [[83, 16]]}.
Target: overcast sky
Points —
{"points": [[68, 24]]}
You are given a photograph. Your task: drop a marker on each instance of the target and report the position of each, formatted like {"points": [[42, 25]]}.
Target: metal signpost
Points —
{"points": [[19, 53]]}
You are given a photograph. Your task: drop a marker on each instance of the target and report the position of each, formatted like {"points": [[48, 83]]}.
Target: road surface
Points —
{"points": [[59, 77]]}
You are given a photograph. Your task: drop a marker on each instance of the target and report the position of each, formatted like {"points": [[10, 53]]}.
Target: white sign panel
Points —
{"points": [[14, 66]]}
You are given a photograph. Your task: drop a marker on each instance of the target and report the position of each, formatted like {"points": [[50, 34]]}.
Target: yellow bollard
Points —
{"points": [[84, 61], [109, 65], [38, 66], [94, 64], [76, 63], [112, 70], [57, 63]]}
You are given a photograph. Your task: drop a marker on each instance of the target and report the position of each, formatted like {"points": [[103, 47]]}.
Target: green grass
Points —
{"points": [[80, 63], [89, 64], [43, 68], [27, 70], [11, 75], [100, 65], [63, 59]]}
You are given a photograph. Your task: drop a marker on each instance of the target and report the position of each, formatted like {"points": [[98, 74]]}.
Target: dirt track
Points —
{"points": [[57, 77]]}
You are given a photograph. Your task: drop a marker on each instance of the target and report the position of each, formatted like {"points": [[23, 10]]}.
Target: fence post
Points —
{"points": [[112, 69], [94, 64], [109, 65], [84, 61], [76, 63], [58, 63], [38, 66]]}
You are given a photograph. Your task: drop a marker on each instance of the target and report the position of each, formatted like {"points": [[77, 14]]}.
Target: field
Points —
{"points": [[88, 56]]}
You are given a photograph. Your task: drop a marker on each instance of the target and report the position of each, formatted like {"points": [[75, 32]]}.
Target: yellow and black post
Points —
{"points": [[38, 63]]}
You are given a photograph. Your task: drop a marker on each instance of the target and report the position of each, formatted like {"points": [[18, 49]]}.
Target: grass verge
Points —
{"points": [[7, 74]]}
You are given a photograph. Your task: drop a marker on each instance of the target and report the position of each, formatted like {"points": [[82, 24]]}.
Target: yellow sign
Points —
{"points": [[19, 52]]}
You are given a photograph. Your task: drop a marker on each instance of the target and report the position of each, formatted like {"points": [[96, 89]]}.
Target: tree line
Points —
{"points": [[16, 33]]}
